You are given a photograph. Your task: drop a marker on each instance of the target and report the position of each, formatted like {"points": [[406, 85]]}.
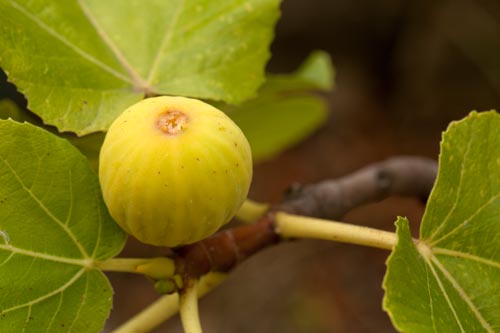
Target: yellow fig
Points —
{"points": [[173, 170]]}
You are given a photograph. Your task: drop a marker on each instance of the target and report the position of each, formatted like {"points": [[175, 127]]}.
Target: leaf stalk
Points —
{"points": [[295, 226]]}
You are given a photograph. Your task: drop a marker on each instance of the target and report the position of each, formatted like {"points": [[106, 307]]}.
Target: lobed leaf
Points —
{"points": [[81, 63], [88, 145], [449, 280], [286, 109], [54, 225]]}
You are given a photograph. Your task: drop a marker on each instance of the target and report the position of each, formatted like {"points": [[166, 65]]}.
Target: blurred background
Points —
{"points": [[404, 70]]}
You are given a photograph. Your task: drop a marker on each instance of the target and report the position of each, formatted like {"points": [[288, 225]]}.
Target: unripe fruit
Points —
{"points": [[173, 170]]}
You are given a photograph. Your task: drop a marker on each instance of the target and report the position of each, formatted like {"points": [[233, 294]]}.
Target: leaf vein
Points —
{"points": [[459, 189], [27, 319], [440, 284], [46, 210], [70, 45], [461, 292], [7, 259], [453, 253], [46, 296], [431, 301], [165, 42], [84, 298], [469, 219], [45, 256], [138, 81], [51, 322]]}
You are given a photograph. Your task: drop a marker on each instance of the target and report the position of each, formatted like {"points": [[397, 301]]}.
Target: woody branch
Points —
{"points": [[331, 199]]}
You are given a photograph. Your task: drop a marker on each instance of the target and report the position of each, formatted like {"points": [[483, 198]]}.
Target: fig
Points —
{"points": [[173, 170]]}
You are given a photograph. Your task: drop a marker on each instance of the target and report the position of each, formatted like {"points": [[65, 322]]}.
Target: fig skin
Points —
{"points": [[173, 170]]}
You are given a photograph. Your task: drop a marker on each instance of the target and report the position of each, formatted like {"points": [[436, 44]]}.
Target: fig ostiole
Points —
{"points": [[173, 170]]}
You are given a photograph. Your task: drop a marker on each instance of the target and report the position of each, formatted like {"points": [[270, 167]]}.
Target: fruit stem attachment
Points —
{"points": [[250, 211], [188, 305], [166, 307], [295, 226], [156, 268]]}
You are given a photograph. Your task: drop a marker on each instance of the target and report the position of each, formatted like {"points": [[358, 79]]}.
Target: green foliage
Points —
{"points": [[9, 109], [54, 225], [81, 63], [449, 280], [286, 110], [89, 145]]}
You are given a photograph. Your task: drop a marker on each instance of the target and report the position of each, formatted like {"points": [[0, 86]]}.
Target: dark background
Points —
{"points": [[405, 69]]}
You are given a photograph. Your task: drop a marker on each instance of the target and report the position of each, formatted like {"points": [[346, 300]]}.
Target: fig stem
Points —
{"points": [[156, 268], [188, 306], [155, 314], [250, 211], [295, 226], [166, 307]]}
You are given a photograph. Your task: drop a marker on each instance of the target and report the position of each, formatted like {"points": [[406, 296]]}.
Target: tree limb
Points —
{"points": [[331, 199]]}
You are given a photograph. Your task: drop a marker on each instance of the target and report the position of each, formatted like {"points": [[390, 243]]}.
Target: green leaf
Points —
{"points": [[54, 225], [449, 280], [286, 110], [315, 73], [81, 63], [9, 109], [317, 69], [89, 145]]}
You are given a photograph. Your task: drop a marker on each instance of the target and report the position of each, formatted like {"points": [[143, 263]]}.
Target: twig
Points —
{"points": [[331, 199], [406, 176]]}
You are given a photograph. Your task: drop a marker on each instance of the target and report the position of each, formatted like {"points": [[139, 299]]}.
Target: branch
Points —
{"points": [[406, 176], [225, 249]]}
